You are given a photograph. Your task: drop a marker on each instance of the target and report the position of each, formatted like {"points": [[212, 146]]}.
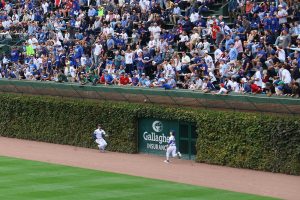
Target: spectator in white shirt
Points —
{"points": [[197, 84], [15, 19], [235, 85], [185, 61], [206, 45], [209, 61], [194, 39], [282, 14], [168, 69], [257, 77], [129, 60], [175, 15], [217, 53], [144, 4], [155, 31], [222, 90], [182, 42], [152, 43], [124, 36], [286, 75], [281, 54], [45, 6], [97, 52], [194, 16], [107, 29]]}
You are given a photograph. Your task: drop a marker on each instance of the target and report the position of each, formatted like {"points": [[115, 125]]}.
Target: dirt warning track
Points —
{"points": [[183, 171]]}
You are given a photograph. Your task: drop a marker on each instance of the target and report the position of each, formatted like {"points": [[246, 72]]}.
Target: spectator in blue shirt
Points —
{"points": [[78, 50], [78, 35], [140, 63], [228, 42], [134, 80], [142, 80], [241, 32], [274, 24], [157, 59], [92, 11], [267, 22], [233, 53], [14, 55], [108, 78]]}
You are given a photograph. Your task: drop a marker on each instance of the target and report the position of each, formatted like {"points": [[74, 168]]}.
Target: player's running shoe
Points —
{"points": [[179, 155], [166, 161]]}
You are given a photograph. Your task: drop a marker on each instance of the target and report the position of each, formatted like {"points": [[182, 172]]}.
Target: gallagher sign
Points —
{"points": [[154, 135]]}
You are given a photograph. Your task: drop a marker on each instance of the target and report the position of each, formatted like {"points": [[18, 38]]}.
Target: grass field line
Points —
{"points": [[24, 179]]}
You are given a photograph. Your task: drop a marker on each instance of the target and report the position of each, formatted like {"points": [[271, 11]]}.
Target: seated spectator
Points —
{"points": [[255, 89], [148, 38], [124, 79], [222, 90]]}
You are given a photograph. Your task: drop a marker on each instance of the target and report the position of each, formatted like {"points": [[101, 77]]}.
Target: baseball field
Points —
{"points": [[24, 179]]}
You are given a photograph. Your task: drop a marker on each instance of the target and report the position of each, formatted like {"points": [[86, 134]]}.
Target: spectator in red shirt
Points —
{"points": [[124, 79], [248, 7], [215, 29], [102, 79], [255, 89]]}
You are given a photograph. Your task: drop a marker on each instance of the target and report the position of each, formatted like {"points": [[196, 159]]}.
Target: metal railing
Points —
{"points": [[179, 97]]}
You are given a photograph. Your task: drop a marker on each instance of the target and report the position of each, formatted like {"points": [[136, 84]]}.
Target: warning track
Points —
{"points": [[183, 171]]}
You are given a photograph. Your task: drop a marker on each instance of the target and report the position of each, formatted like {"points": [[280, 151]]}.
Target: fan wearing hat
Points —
{"points": [[222, 90], [282, 15], [108, 79], [215, 30], [134, 79], [228, 41], [279, 88], [170, 83], [245, 86], [142, 80]]}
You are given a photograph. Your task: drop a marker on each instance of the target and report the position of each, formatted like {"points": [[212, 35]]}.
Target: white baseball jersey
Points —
{"points": [[172, 141], [99, 133]]}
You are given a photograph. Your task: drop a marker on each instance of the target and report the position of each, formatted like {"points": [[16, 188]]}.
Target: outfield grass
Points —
{"points": [[23, 179]]}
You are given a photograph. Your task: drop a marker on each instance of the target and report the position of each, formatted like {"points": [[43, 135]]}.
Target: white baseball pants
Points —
{"points": [[171, 150], [101, 143]]}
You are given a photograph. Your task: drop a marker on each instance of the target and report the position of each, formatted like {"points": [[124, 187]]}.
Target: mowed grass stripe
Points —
{"points": [[24, 179]]}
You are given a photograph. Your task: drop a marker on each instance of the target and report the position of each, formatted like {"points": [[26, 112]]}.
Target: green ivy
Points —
{"points": [[236, 139]]}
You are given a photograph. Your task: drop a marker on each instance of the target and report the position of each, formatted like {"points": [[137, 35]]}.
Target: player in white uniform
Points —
{"points": [[98, 135], [171, 150]]}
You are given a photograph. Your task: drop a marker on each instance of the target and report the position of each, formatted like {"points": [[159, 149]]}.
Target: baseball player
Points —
{"points": [[98, 135], [171, 150]]}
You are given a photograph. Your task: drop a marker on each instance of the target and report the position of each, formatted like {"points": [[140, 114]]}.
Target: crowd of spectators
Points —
{"points": [[163, 43]]}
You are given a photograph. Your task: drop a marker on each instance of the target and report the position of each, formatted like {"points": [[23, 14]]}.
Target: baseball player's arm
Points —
{"points": [[169, 143], [94, 135], [104, 133]]}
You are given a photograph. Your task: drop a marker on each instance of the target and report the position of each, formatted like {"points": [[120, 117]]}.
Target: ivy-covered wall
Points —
{"points": [[246, 140]]}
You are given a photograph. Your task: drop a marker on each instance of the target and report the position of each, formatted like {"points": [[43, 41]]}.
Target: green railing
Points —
{"points": [[182, 98]]}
